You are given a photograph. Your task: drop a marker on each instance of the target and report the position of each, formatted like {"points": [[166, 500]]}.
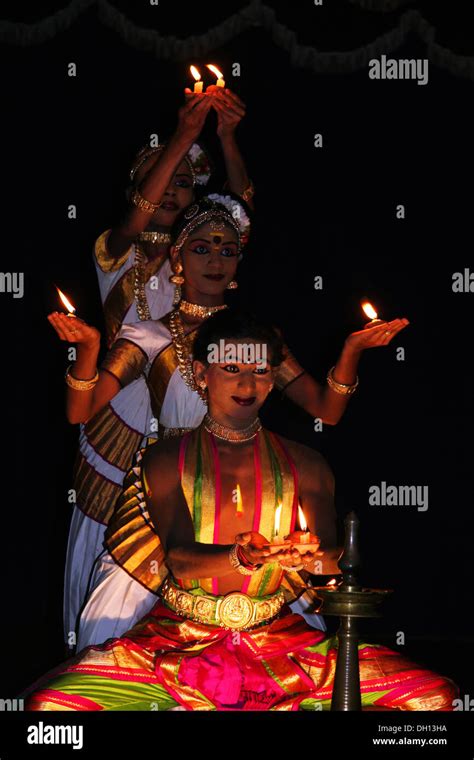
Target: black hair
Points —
{"points": [[233, 323]]}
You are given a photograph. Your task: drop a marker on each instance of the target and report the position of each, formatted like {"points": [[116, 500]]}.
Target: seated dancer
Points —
{"points": [[157, 354], [221, 635], [132, 259]]}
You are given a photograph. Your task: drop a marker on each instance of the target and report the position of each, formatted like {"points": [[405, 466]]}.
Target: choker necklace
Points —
{"points": [[195, 310], [231, 434], [155, 237]]}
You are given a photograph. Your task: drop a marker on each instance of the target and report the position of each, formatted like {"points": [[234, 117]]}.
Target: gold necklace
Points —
{"points": [[139, 283], [196, 310], [182, 348], [155, 237], [231, 434], [139, 293]]}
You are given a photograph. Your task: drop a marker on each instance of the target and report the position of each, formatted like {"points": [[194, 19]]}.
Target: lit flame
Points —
{"points": [[277, 519], [240, 506], [71, 309], [215, 71], [195, 73], [332, 582], [369, 310], [302, 519]]}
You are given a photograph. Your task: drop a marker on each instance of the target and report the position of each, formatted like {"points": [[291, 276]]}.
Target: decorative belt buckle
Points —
{"points": [[203, 608], [236, 610]]}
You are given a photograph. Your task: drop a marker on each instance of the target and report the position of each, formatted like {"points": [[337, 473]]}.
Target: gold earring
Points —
{"points": [[233, 284], [177, 278]]}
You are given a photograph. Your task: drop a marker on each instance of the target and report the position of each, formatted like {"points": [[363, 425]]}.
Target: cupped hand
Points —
{"points": [[380, 335], [229, 107], [192, 115], [74, 329], [255, 548], [298, 559]]}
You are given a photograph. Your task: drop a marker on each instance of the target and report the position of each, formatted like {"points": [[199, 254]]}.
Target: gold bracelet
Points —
{"points": [[140, 202], [80, 385], [236, 563], [248, 194], [343, 388]]}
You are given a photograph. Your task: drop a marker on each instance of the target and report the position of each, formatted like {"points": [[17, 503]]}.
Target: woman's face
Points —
{"points": [[209, 260], [178, 194], [237, 389]]}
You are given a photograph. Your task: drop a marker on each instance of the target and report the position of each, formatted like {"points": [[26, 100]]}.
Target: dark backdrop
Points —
{"points": [[328, 212]]}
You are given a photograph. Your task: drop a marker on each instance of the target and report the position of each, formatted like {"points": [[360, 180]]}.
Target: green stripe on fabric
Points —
{"points": [[197, 501], [113, 694], [275, 677], [267, 574], [197, 494], [278, 490], [323, 647], [275, 464], [315, 705]]}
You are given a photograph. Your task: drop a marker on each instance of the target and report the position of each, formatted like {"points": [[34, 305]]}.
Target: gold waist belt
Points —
{"points": [[235, 611]]}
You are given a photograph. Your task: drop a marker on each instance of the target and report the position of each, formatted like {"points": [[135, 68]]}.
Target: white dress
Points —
{"points": [[116, 600], [158, 290], [132, 409]]}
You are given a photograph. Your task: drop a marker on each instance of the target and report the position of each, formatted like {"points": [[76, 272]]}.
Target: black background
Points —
{"points": [[328, 212]]}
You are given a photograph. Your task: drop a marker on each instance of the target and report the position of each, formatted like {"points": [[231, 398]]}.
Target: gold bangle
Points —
{"points": [[140, 202], [236, 563], [248, 193], [343, 388], [80, 385]]}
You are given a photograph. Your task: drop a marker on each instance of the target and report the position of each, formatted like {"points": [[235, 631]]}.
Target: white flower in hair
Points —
{"points": [[200, 162], [235, 209]]}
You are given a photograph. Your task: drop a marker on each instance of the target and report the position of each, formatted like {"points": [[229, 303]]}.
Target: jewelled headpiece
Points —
{"points": [[196, 160], [218, 210]]}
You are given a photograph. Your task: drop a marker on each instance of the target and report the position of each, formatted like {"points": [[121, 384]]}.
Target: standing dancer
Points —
{"points": [[132, 259]]}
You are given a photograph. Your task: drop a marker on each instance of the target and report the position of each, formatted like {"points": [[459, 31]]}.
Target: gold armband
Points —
{"points": [[237, 565], [80, 385], [125, 361], [140, 202], [342, 388]]}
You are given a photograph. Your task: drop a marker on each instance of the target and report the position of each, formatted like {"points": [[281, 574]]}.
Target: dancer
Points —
{"points": [[132, 259], [221, 636]]}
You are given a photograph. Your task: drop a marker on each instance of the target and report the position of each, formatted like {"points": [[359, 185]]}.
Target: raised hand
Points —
{"points": [[192, 115], [229, 107], [380, 335], [74, 329]]}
